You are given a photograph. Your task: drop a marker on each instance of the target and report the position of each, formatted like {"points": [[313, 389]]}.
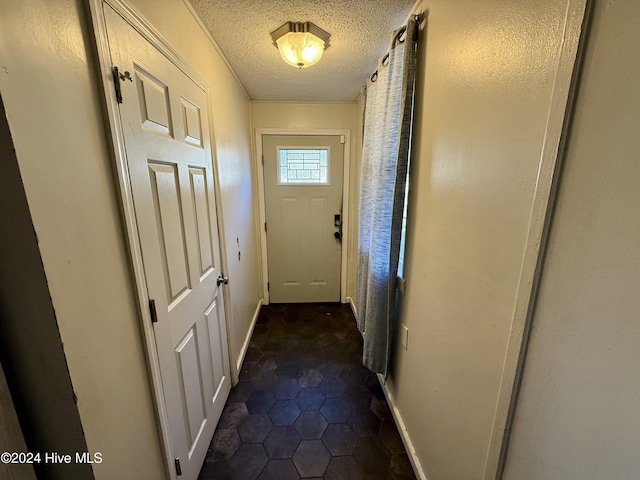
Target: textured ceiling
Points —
{"points": [[360, 32]]}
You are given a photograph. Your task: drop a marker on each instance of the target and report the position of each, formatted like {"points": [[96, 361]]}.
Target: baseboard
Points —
{"points": [[245, 346], [353, 306], [402, 429]]}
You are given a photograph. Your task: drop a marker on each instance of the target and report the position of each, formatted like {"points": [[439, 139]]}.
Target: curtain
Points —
{"points": [[385, 158]]}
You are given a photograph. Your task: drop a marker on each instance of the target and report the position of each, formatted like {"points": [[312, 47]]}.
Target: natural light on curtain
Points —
{"points": [[385, 156]]}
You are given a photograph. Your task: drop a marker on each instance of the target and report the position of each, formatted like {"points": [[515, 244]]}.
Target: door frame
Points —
{"points": [[117, 144], [559, 117], [260, 132]]}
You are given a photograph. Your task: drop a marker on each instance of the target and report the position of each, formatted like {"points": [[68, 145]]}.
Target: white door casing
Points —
{"points": [[166, 174], [304, 257]]}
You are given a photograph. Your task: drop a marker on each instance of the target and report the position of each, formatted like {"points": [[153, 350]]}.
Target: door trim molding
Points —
{"points": [[345, 199], [117, 144], [551, 158]]}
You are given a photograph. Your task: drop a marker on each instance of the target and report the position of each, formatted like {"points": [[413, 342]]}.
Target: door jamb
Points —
{"points": [[551, 159], [345, 199], [116, 143]]}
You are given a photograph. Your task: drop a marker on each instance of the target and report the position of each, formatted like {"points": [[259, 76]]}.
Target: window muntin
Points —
{"points": [[303, 165]]}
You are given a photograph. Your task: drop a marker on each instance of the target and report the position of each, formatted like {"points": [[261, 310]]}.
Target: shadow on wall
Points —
{"points": [[31, 351]]}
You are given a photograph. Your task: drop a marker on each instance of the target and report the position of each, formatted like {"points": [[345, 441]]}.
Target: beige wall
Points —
{"points": [[577, 415], [52, 104], [303, 116], [51, 95], [308, 116], [31, 350], [485, 82]]}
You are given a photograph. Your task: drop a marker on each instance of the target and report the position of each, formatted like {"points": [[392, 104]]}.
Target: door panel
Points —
{"points": [[318, 233], [189, 377], [304, 257], [168, 214], [199, 193], [217, 358], [153, 98], [192, 125], [165, 124], [287, 245]]}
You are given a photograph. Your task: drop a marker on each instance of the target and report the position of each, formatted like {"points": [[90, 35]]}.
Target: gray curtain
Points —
{"points": [[385, 158]]}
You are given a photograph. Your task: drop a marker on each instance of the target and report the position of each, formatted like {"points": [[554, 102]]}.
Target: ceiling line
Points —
{"points": [[205, 30]]}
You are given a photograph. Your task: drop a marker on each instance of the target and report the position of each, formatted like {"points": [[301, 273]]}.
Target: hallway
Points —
{"points": [[519, 340], [305, 407]]}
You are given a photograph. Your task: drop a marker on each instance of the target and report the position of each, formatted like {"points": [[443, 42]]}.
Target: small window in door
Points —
{"points": [[303, 166]]}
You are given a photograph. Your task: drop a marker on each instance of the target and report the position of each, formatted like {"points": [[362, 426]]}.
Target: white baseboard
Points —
{"points": [[402, 429], [245, 346], [353, 306]]}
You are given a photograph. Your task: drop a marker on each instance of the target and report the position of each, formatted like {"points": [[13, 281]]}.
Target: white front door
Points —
{"points": [[303, 201], [165, 122]]}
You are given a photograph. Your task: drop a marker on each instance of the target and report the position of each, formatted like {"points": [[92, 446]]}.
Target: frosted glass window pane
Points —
{"points": [[299, 166]]}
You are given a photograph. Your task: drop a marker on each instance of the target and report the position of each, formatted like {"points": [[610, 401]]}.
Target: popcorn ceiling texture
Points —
{"points": [[360, 32]]}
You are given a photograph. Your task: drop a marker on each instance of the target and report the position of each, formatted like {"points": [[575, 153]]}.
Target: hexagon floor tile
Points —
{"points": [[305, 406], [310, 425], [282, 442]]}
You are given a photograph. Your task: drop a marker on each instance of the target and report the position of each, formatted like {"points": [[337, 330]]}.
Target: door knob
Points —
{"points": [[222, 280]]}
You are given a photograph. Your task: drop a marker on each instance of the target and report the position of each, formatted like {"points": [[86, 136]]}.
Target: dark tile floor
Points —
{"points": [[305, 406]]}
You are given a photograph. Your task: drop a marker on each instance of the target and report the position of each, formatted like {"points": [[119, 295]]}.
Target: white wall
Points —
{"points": [[51, 95], [308, 116], [577, 416], [484, 91]]}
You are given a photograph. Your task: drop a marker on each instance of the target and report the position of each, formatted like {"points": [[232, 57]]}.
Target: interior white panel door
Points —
{"points": [[165, 123], [302, 201]]}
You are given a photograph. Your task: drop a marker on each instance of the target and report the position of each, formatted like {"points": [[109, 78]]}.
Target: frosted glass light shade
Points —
{"points": [[300, 44], [300, 49]]}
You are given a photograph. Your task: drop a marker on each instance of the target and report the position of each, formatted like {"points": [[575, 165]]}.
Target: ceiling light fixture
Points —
{"points": [[300, 44]]}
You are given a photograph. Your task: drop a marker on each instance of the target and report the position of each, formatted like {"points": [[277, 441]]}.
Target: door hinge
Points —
{"points": [[152, 310], [265, 226], [116, 84], [267, 286], [263, 159], [117, 76], [178, 467]]}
